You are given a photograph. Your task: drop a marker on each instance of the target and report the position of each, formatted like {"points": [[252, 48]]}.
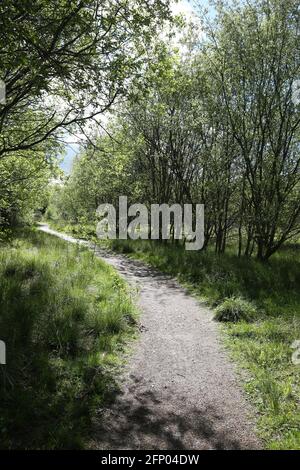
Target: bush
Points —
{"points": [[234, 309]]}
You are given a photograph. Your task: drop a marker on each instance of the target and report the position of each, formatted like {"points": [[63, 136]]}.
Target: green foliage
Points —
{"points": [[60, 59], [23, 186], [209, 127], [242, 50], [96, 178], [64, 316], [62, 63], [234, 309]]}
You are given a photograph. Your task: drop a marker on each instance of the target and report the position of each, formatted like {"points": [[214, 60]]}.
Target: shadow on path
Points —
{"points": [[137, 421]]}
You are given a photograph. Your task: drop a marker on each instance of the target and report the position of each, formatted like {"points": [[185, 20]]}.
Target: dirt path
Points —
{"points": [[179, 390]]}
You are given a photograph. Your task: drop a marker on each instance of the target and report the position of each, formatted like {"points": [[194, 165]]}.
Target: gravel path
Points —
{"points": [[179, 389]]}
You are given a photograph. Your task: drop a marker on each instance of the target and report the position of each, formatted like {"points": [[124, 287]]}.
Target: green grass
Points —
{"points": [[264, 349], [235, 309], [66, 318], [262, 346]]}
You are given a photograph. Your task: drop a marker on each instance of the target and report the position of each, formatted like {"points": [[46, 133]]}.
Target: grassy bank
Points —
{"points": [[262, 347], [65, 317]]}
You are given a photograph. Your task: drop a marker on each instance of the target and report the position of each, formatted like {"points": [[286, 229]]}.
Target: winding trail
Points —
{"points": [[179, 389]]}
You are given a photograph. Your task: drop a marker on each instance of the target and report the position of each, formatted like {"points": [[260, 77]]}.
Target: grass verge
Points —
{"points": [[66, 318]]}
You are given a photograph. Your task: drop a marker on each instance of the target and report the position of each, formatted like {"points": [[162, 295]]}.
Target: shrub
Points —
{"points": [[234, 309]]}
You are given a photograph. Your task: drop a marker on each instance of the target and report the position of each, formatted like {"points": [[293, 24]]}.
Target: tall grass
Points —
{"points": [[273, 286], [65, 317]]}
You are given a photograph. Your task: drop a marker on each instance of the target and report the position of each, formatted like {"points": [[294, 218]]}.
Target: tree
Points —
{"points": [[67, 61], [98, 176], [219, 126], [64, 63], [253, 54]]}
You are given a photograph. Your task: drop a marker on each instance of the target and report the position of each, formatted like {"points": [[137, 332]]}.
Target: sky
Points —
{"points": [[71, 151], [72, 148], [184, 6]]}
